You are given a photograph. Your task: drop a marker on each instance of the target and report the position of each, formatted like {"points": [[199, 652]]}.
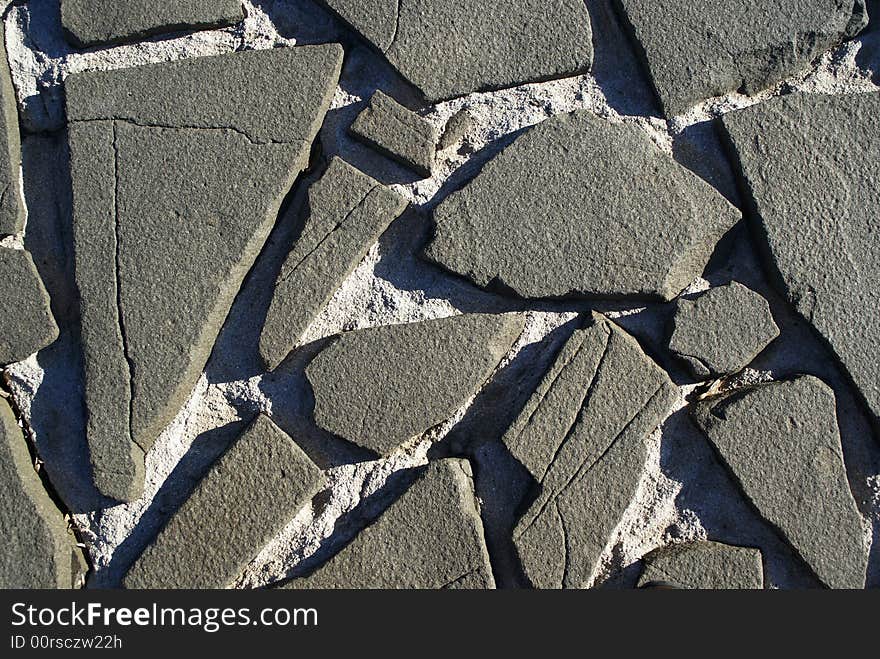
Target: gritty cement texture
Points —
{"points": [[101, 22], [398, 133], [704, 566], [722, 331], [26, 321], [683, 492]]}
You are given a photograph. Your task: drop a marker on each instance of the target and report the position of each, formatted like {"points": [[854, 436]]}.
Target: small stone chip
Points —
{"points": [[722, 330], [458, 126], [349, 211], [431, 537], [11, 204], [781, 443], [246, 498], [398, 133], [705, 566], [26, 321], [379, 387], [89, 23]]}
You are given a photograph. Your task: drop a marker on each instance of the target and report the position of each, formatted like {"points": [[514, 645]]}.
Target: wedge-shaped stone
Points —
{"points": [[11, 203], [38, 550], [810, 170], [447, 49], [458, 126], [582, 436], [101, 22], [782, 445], [722, 330], [381, 386], [431, 537], [174, 195], [26, 321], [349, 211], [705, 566], [247, 497], [578, 206], [694, 51], [398, 133]]}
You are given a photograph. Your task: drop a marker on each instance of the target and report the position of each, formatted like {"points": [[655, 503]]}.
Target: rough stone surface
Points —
{"points": [[694, 51], [11, 204], [705, 566], [173, 198], [582, 438], [101, 22], [249, 494], [449, 49], [348, 211], [381, 386], [26, 321], [781, 443], [38, 550], [442, 547], [458, 126], [398, 133], [810, 169], [722, 330], [578, 206]]}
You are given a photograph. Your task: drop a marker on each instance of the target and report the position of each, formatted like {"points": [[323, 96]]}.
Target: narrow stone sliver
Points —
{"points": [[26, 321], [12, 211]]}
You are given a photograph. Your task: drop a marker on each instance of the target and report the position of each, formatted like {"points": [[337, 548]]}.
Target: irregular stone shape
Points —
{"points": [[722, 330], [582, 437], [694, 51], [394, 131], [705, 566], [174, 196], [431, 537], [782, 445], [459, 125], [349, 211], [447, 49], [26, 321], [581, 207], [244, 501], [812, 177], [100, 22], [38, 551], [381, 386], [11, 204]]}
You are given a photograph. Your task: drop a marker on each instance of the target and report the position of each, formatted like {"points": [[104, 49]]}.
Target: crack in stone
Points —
{"points": [[232, 129], [396, 26]]}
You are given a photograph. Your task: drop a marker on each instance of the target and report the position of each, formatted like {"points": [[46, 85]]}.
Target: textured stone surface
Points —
{"points": [[705, 566], [396, 132], [100, 22], [694, 51], [348, 212], [26, 321], [582, 438], [810, 168], [442, 545], [381, 386], [782, 445], [458, 126], [249, 494], [447, 49], [722, 330], [38, 551], [173, 198], [11, 205], [578, 206]]}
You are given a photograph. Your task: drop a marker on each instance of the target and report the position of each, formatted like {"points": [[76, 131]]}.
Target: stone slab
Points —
{"points": [[12, 212], [26, 321], [705, 566]]}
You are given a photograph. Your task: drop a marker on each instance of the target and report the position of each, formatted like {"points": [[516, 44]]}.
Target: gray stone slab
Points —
{"points": [[705, 566], [722, 330], [397, 132], [810, 170], [174, 196], [781, 443], [581, 207], [349, 211], [448, 49], [249, 495], [379, 387], [26, 321], [38, 550], [694, 51], [582, 437], [458, 126], [11, 203], [431, 537], [101, 22]]}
